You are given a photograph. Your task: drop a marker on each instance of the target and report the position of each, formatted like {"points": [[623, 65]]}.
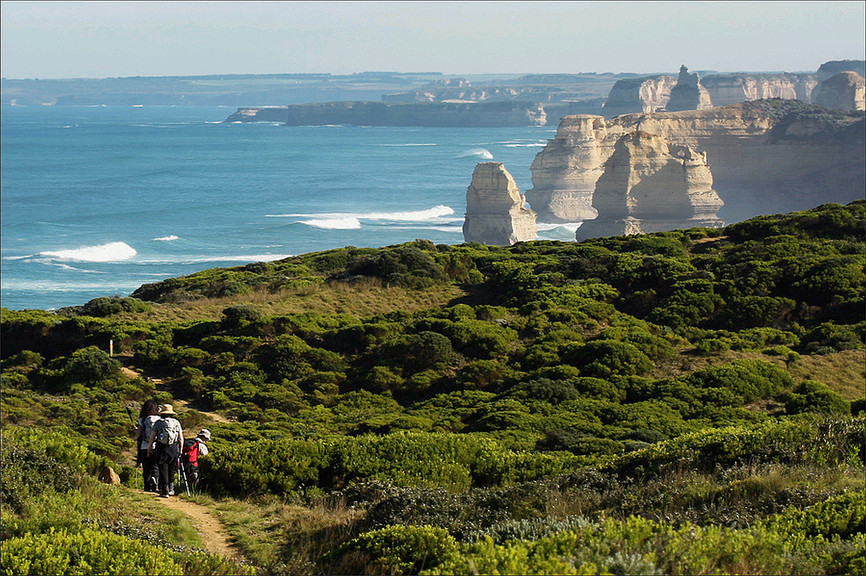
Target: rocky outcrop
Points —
{"points": [[844, 91], [107, 475], [833, 67], [688, 94], [766, 157], [650, 185], [564, 173], [260, 114], [367, 113], [495, 211], [725, 89], [639, 95]]}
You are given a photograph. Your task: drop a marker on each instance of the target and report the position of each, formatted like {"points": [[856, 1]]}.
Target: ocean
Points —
{"points": [[96, 201]]}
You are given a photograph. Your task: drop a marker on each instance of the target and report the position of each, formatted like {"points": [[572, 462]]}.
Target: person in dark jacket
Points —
{"points": [[147, 417]]}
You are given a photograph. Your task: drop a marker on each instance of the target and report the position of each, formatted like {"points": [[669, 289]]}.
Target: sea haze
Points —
{"points": [[97, 201]]}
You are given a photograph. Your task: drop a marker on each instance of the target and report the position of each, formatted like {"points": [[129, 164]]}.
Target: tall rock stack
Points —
{"points": [[565, 172], [495, 211], [650, 185], [844, 91], [688, 94]]}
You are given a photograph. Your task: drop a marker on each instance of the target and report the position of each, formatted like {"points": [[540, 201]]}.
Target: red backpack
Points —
{"points": [[190, 451]]}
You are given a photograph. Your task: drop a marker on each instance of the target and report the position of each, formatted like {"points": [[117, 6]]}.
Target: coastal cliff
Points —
{"points": [[650, 185], [725, 89], [844, 91], [766, 156], [366, 113], [639, 95]]}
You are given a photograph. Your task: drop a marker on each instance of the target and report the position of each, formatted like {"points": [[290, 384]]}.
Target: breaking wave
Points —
{"points": [[166, 238], [336, 223], [478, 152], [352, 220], [111, 252]]}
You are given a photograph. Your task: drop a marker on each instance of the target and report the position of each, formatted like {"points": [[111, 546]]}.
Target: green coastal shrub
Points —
{"points": [[394, 550], [814, 396], [58, 552]]}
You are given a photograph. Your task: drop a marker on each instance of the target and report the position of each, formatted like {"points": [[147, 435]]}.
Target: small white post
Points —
{"points": [[111, 348]]}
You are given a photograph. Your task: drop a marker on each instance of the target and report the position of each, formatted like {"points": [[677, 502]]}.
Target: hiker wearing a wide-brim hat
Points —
{"points": [[167, 436]]}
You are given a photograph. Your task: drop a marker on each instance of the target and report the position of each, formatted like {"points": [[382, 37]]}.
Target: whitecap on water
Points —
{"points": [[111, 252], [479, 152], [166, 238], [335, 223], [351, 220]]}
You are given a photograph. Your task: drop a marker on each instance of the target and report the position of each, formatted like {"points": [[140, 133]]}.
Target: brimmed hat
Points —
{"points": [[167, 410], [204, 433]]}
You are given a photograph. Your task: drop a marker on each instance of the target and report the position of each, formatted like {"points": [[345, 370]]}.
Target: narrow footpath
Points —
{"points": [[209, 527]]}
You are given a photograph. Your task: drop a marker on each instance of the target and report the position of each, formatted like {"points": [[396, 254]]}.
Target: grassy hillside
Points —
{"points": [[686, 402]]}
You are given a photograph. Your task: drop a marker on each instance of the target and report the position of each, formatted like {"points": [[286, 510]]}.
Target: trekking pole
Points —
{"points": [[128, 411], [183, 472]]}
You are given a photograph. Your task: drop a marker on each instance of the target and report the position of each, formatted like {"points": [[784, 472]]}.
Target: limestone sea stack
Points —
{"points": [[565, 172], [844, 91], [651, 185], [495, 211], [688, 94]]}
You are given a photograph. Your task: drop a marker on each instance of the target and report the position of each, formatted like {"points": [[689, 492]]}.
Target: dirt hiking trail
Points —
{"points": [[209, 527]]}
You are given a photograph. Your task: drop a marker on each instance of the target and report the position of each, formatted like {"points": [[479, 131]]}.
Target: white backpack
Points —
{"points": [[167, 431]]}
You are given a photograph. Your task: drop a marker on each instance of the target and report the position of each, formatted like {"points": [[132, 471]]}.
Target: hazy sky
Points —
{"points": [[106, 39]]}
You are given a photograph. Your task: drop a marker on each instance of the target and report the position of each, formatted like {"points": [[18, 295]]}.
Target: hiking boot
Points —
{"points": [[163, 495]]}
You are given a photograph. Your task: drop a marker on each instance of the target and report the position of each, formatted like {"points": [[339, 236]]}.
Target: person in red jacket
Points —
{"points": [[192, 449]]}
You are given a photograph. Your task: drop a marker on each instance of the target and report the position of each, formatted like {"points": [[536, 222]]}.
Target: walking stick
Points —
{"points": [[183, 472]]}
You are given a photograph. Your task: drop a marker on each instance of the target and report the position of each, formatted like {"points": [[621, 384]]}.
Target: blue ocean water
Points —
{"points": [[96, 201]]}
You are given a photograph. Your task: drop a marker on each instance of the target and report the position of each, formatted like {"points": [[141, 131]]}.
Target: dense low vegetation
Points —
{"points": [[689, 402]]}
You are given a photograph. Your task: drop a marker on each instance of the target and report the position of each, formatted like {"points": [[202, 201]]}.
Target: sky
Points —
{"points": [[118, 39]]}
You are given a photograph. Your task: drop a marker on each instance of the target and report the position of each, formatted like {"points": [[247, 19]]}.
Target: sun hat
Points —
{"points": [[204, 433], [167, 410]]}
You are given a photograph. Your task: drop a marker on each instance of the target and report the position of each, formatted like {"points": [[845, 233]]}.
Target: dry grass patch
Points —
{"points": [[844, 372], [362, 299], [285, 538]]}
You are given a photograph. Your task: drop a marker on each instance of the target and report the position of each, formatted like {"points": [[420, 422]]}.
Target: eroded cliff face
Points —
{"points": [[639, 95], [765, 158], [495, 211], [844, 91], [564, 173], [725, 89], [650, 185]]}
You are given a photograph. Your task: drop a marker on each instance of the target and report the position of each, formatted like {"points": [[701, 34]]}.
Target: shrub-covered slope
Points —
{"points": [[680, 402]]}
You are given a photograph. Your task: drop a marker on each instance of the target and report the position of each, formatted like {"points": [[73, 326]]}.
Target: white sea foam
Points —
{"points": [[216, 258], [533, 145], [407, 145], [435, 214], [479, 152], [570, 226], [111, 252], [166, 238], [333, 222]]}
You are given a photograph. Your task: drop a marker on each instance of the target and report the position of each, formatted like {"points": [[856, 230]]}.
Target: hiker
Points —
{"points": [[192, 449], [147, 417], [168, 437]]}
